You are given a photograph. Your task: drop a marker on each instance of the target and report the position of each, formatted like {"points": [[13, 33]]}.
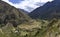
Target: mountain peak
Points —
{"points": [[10, 14], [47, 11]]}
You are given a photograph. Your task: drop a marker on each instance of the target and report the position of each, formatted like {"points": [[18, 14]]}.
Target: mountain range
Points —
{"points": [[15, 23], [49, 10]]}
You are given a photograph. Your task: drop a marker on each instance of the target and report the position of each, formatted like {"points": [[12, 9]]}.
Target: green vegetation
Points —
{"points": [[12, 15], [50, 29], [14, 23]]}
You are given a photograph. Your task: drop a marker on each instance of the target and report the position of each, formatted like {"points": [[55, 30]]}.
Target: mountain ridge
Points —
{"points": [[10, 14], [47, 11], [15, 23]]}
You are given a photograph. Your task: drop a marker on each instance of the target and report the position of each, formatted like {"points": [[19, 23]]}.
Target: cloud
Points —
{"points": [[26, 4]]}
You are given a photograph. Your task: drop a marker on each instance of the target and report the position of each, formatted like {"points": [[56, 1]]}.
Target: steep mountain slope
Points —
{"points": [[10, 14], [47, 11], [10, 17]]}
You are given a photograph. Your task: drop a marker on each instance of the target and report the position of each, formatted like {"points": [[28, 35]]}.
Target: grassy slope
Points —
{"points": [[38, 29], [12, 15]]}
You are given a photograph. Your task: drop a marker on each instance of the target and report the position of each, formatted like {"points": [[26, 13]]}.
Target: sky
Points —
{"points": [[15, 1], [27, 5]]}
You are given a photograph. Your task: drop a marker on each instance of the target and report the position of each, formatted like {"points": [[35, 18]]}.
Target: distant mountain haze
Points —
{"points": [[26, 12]]}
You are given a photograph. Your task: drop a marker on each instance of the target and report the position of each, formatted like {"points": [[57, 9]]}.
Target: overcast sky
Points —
{"points": [[23, 4]]}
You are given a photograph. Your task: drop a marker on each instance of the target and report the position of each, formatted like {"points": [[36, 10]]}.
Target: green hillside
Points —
{"points": [[42, 28], [15, 23], [12, 15]]}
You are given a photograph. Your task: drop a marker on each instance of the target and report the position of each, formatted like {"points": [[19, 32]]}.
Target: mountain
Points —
{"points": [[12, 15], [15, 23], [48, 11], [26, 12], [30, 9]]}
